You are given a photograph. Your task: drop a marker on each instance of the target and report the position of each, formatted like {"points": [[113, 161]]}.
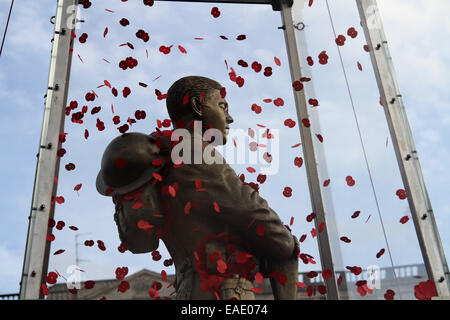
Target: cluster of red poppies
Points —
{"points": [[129, 62], [121, 272]]}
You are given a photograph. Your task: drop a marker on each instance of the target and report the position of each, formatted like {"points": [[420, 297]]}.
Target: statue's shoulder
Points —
{"points": [[130, 160]]}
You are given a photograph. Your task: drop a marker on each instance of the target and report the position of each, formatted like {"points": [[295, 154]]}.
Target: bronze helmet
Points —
{"points": [[127, 162]]}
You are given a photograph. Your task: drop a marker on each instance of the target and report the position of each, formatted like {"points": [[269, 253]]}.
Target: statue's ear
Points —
{"points": [[196, 106]]}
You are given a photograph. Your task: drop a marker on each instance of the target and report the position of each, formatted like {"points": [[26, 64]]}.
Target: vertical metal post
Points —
{"points": [[403, 142], [320, 150], [42, 208], [314, 182]]}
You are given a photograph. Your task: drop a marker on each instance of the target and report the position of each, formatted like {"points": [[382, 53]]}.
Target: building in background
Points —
{"points": [[140, 282]]}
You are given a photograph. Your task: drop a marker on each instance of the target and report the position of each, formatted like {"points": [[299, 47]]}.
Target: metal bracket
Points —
{"points": [[48, 146], [303, 26], [55, 88], [62, 32]]}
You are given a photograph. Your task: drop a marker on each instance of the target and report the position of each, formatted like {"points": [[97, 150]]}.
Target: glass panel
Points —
{"points": [[210, 47]]}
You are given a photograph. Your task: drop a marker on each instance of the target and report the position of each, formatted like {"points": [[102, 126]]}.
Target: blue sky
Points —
{"points": [[416, 34]]}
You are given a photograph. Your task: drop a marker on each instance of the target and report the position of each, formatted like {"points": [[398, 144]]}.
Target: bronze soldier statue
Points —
{"points": [[219, 232]]}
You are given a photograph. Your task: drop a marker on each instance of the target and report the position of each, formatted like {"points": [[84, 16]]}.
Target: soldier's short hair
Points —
{"points": [[194, 86]]}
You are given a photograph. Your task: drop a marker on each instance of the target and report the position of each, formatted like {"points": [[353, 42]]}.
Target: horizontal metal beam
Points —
{"points": [[276, 4]]}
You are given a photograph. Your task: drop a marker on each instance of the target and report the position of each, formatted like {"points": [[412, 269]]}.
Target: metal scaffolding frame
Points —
{"points": [[37, 247]]}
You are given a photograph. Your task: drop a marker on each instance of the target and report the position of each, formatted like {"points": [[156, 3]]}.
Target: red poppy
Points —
{"points": [[355, 270], [70, 166], [356, 214], [313, 102], [404, 219], [340, 40], [261, 178], [215, 12], [89, 284], [306, 123], [83, 38], [350, 181], [389, 295], [310, 217], [277, 61], [124, 22], [323, 57], [268, 71], [241, 37], [256, 66], [322, 289], [154, 294], [380, 253], [51, 278], [352, 32], [346, 240], [287, 192], [310, 61], [302, 238], [289, 123], [401, 193], [123, 286], [44, 289], [278, 102], [425, 290], [297, 85], [260, 230], [122, 248], [326, 274], [58, 251]]}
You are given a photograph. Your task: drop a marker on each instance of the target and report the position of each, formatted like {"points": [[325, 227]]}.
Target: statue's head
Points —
{"points": [[204, 103]]}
